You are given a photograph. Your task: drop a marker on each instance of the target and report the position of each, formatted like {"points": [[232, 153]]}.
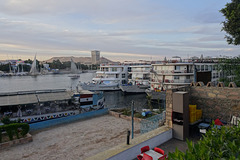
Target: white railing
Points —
{"points": [[172, 81], [171, 71]]}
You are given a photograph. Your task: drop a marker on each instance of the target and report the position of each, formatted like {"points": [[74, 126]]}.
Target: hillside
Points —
{"points": [[84, 60]]}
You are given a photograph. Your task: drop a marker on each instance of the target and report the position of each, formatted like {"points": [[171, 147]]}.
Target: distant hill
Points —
{"points": [[83, 60]]}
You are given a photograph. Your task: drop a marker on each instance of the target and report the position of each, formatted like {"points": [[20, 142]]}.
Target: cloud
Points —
{"points": [[121, 28]]}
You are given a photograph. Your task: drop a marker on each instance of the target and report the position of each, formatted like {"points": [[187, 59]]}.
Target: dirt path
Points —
{"points": [[77, 140]]}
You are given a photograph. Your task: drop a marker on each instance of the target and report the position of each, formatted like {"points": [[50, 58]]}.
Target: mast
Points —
{"points": [[10, 70]]}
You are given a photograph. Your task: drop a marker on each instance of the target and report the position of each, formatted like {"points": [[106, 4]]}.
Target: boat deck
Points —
{"points": [[133, 89]]}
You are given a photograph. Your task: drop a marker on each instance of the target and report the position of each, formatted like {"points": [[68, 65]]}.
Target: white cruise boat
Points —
{"points": [[138, 79], [109, 77]]}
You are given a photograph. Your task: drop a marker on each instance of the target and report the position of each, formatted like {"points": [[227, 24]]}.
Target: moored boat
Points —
{"points": [[108, 78], [41, 105]]}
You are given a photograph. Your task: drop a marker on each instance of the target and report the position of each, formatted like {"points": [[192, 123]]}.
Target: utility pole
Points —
{"points": [[132, 119]]}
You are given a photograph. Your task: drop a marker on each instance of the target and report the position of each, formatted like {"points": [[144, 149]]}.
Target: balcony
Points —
{"points": [[170, 72], [178, 81], [140, 70]]}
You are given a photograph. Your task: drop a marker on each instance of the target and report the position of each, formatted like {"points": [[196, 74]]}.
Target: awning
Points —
{"points": [[18, 100], [45, 97]]}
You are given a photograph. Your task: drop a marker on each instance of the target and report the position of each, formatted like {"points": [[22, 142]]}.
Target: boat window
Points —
{"points": [[206, 67], [114, 69], [117, 75], [176, 77], [123, 75], [187, 77], [177, 67]]}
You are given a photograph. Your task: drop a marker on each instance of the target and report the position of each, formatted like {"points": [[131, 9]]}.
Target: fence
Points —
{"points": [[53, 122], [152, 123]]}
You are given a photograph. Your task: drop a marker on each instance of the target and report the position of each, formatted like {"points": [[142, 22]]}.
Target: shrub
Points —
{"points": [[15, 128], [216, 144], [1, 134], [6, 120]]}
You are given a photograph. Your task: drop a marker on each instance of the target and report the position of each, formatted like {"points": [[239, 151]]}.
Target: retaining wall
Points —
{"points": [[53, 122]]}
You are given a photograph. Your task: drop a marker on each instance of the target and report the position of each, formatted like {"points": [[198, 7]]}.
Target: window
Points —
{"points": [[176, 77], [123, 75], [117, 75], [187, 77], [198, 68], [210, 68], [206, 67], [129, 69], [214, 67], [106, 69], [214, 75], [123, 81], [177, 67], [114, 69], [202, 67]]}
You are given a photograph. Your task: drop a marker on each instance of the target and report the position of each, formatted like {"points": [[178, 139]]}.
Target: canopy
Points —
{"points": [[45, 97], [18, 100]]}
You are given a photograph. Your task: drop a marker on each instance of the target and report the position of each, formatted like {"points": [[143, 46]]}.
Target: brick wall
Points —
{"points": [[216, 102]]}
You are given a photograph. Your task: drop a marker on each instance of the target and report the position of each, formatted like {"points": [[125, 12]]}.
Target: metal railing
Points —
{"points": [[171, 71], [173, 81], [152, 123]]}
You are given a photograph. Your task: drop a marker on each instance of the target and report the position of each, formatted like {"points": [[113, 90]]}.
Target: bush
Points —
{"points": [[216, 144], [1, 134], [6, 120], [14, 129]]}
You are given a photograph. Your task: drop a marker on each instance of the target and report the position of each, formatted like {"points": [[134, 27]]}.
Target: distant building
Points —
{"points": [[95, 57]]}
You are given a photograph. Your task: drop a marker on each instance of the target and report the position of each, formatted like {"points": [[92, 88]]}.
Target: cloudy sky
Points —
{"points": [[120, 29]]}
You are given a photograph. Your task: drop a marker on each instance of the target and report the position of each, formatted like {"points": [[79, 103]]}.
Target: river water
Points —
{"points": [[62, 81]]}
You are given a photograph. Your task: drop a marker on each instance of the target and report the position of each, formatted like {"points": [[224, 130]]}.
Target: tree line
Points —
{"points": [[56, 64]]}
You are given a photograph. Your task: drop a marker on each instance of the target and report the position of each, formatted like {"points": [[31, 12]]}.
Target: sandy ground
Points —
{"points": [[77, 140]]}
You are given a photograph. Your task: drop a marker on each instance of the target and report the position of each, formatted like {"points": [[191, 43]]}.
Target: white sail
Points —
{"points": [[34, 70], [74, 69]]}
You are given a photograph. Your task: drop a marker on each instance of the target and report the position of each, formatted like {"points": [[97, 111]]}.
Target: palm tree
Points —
{"points": [[149, 99]]}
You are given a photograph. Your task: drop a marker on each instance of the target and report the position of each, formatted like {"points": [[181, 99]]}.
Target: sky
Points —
{"points": [[120, 29]]}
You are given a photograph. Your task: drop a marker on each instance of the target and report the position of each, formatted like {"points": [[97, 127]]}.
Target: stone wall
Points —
{"points": [[216, 102], [169, 103]]}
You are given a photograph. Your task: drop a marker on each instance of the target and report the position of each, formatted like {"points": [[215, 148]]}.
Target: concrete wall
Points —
{"points": [[216, 102], [53, 122], [132, 152]]}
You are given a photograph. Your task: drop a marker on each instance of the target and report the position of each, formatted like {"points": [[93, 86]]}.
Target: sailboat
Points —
{"points": [[74, 71], [34, 71]]}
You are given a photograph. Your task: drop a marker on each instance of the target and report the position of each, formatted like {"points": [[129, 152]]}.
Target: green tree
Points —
{"points": [[230, 68], [216, 144], [232, 23], [4, 67]]}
